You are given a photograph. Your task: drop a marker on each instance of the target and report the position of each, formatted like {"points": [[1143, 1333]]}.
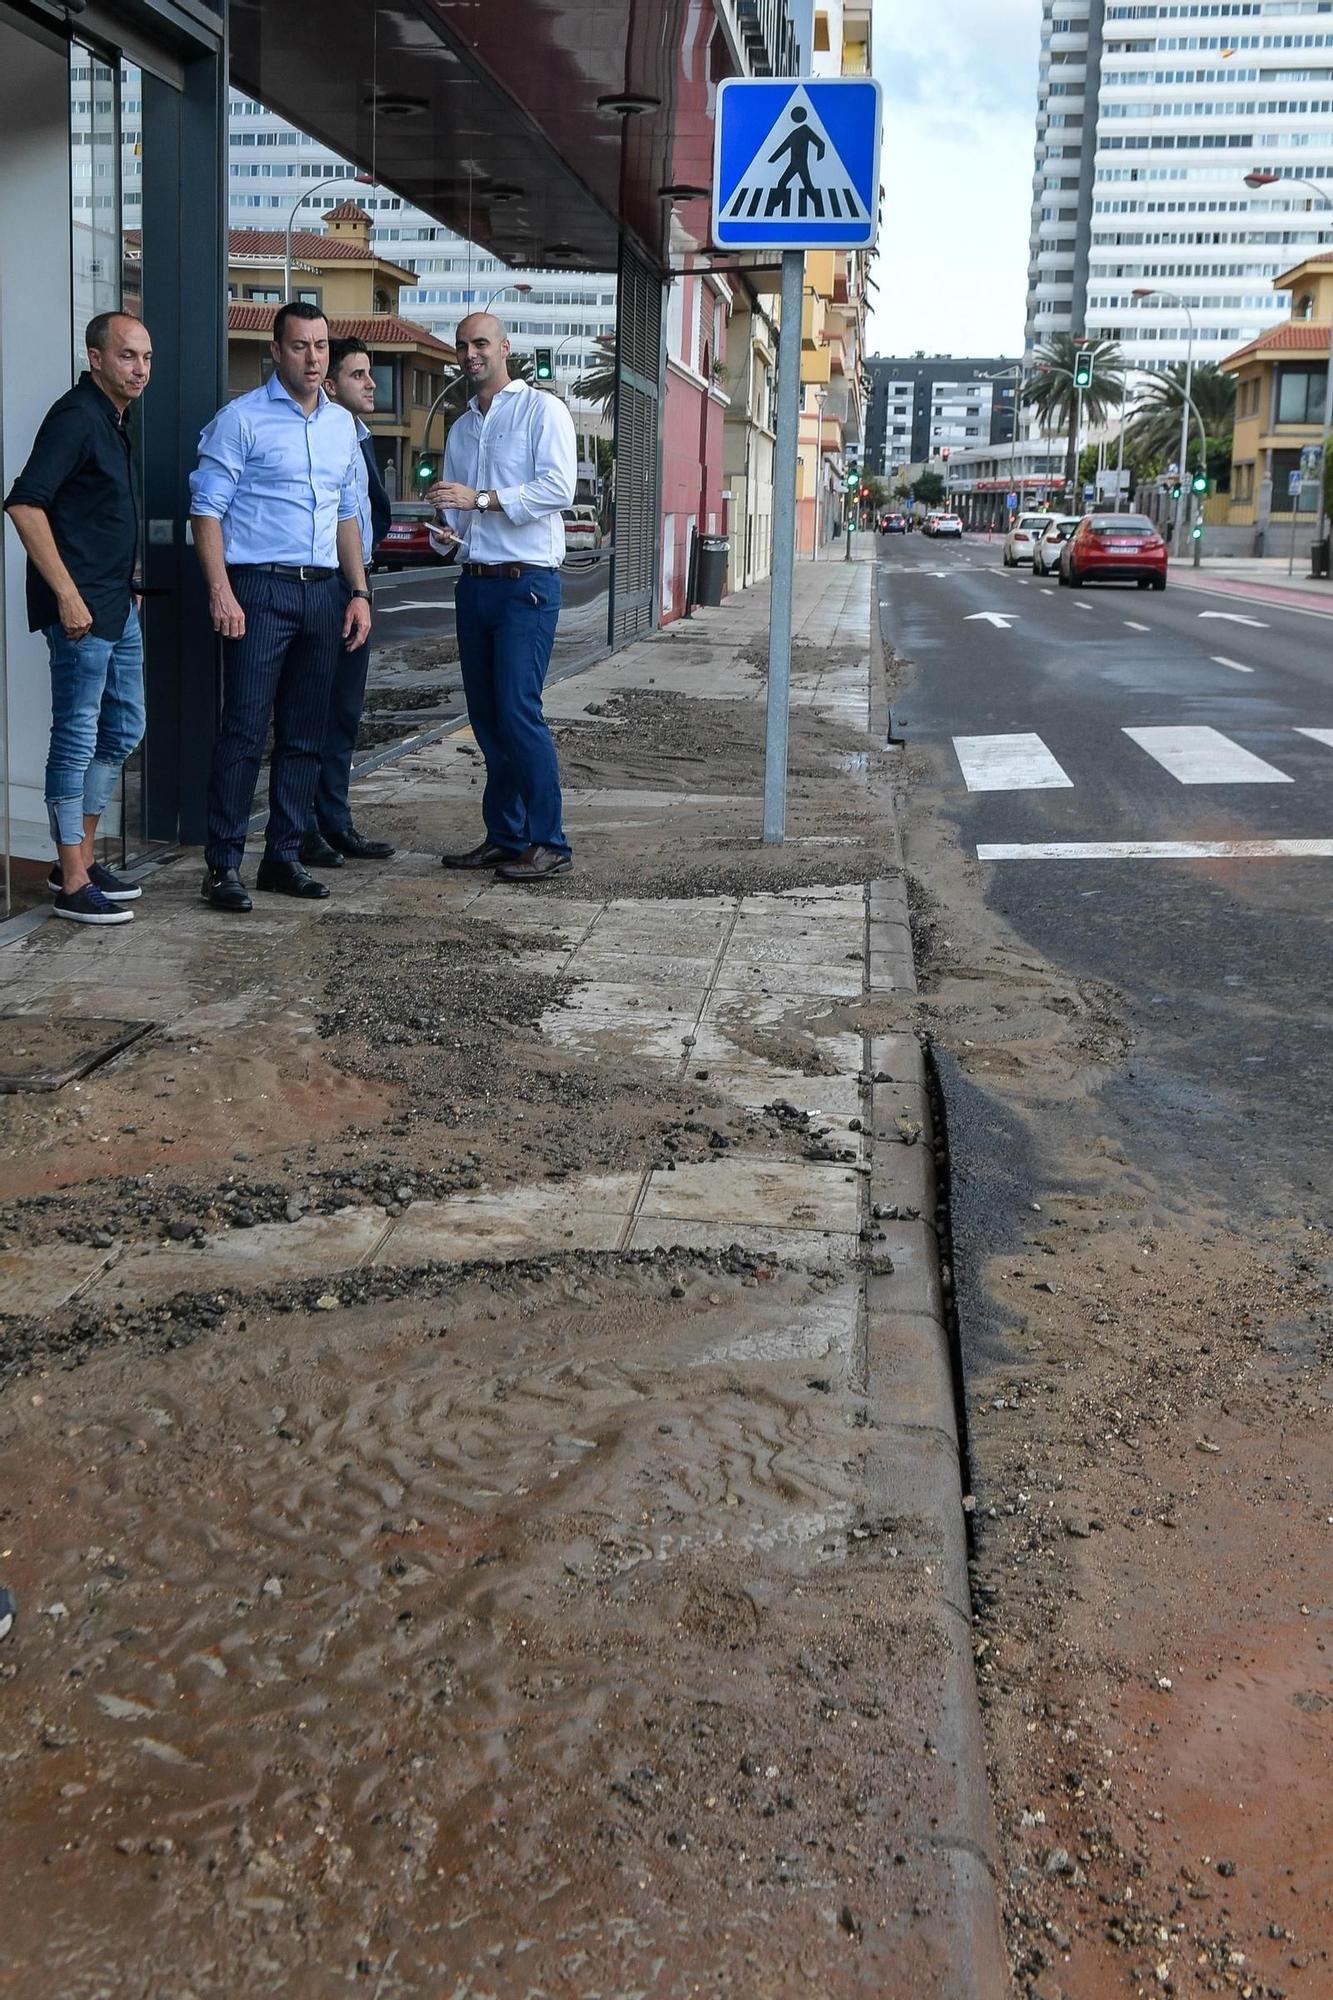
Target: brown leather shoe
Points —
{"points": [[485, 855], [535, 865]]}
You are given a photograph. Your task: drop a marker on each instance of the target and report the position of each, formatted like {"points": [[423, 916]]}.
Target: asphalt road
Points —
{"points": [[419, 603], [1223, 960]]}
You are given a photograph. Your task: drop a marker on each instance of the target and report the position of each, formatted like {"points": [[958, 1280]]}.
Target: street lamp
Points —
{"points": [[454, 380], [332, 180], [1258, 179], [1174, 298], [520, 289], [820, 398]]}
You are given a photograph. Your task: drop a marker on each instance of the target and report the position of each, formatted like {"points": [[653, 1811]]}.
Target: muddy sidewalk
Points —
{"points": [[477, 1458]]}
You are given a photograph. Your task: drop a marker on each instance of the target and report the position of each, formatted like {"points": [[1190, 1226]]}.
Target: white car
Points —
{"points": [[944, 524], [1046, 554], [583, 531], [1022, 539]]}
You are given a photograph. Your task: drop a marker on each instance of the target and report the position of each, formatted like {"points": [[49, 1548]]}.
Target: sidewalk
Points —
{"points": [[1263, 578], [477, 1370]]}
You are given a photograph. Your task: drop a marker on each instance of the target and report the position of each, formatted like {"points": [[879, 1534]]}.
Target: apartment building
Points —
{"points": [[918, 407], [1150, 113]]}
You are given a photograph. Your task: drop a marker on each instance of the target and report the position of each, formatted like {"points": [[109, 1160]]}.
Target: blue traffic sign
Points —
{"points": [[796, 163]]}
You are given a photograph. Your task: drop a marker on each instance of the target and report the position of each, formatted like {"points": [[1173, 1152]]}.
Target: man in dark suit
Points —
{"points": [[331, 838]]}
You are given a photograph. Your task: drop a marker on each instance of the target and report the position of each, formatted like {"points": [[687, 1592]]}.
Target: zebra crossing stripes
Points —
{"points": [[1007, 764], [1193, 755], [1197, 755]]}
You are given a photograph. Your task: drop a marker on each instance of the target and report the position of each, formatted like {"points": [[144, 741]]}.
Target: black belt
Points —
{"points": [[297, 572], [504, 569]]}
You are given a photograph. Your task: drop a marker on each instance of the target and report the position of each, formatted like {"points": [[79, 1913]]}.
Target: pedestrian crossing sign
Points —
{"points": [[796, 163]]}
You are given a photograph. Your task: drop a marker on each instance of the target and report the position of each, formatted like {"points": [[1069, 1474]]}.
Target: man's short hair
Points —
{"points": [[341, 348], [295, 309], [98, 330]]}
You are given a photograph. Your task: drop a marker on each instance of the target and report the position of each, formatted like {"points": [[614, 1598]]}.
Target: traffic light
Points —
{"points": [[852, 478], [1175, 491], [1196, 532], [425, 471], [1083, 371], [543, 369], [1199, 483]]}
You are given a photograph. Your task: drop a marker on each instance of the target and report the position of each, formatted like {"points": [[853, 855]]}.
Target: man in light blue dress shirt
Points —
{"points": [[510, 467], [274, 511]]}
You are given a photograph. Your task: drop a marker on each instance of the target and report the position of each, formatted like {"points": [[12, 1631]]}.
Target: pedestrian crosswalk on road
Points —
{"points": [[1192, 755]]}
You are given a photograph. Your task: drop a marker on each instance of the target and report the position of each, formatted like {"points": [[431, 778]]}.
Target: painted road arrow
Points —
{"points": [[1236, 618], [991, 618]]}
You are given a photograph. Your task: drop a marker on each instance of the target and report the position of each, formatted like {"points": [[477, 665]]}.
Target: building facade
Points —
{"points": [[919, 407], [1281, 385], [1150, 113]]}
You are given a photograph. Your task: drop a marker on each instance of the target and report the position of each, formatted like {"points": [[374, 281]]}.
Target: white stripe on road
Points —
{"points": [[1007, 764], [1082, 604], [1160, 850], [414, 604], [1319, 735], [1201, 756], [1221, 660], [1135, 626]]}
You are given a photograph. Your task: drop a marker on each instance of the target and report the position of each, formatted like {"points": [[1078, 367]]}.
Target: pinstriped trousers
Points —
{"points": [[281, 670]]}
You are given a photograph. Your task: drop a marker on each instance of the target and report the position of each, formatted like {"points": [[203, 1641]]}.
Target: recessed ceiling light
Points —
{"points": [[684, 191], [628, 104], [396, 104]]}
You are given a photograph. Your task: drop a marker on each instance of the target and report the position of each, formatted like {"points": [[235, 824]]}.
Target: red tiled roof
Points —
{"points": [[311, 244], [346, 211], [376, 329], [1292, 336]]}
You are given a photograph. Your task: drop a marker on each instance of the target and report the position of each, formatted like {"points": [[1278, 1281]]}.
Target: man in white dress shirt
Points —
{"points": [[509, 469]]}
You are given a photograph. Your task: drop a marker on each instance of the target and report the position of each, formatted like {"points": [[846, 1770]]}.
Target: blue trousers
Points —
{"points": [[506, 628], [281, 670], [332, 810], [97, 720]]}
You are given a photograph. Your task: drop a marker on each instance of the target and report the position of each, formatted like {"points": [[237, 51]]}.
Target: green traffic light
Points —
{"points": [[1196, 532], [425, 470], [1199, 483]]}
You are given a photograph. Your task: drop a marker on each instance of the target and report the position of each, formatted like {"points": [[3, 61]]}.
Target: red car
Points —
{"points": [[406, 545], [1105, 548]]}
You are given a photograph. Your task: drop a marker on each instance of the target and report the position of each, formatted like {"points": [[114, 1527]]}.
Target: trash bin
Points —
{"points": [[711, 574], [1319, 558]]}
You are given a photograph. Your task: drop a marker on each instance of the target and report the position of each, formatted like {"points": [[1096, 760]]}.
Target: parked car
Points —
{"points": [[1046, 549], [893, 524], [944, 524], [1107, 548], [583, 530], [1022, 538], [406, 542]]}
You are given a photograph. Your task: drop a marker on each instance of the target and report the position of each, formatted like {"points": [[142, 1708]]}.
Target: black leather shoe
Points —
{"points": [[536, 865], [288, 878], [315, 852], [356, 847], [486, 855], [223, 889]]}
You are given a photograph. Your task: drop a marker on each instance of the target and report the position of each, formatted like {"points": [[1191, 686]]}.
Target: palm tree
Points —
{"points": [[600, 385], [1051, 392], [1154, 435]]}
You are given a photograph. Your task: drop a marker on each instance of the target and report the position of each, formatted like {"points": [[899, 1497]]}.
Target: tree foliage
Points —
{"points": [[1050, 389], [929, 489], [1154, 431]]}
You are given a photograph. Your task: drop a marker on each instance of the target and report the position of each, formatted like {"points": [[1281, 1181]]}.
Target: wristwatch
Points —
{"points": [[483, 502], [365, 595]]}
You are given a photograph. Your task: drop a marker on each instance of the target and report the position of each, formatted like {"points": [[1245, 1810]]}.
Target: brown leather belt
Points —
{"points": [[502, 569]]}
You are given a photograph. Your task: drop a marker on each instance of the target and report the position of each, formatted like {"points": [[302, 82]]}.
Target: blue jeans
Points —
{"points": [[97, 721], [506, 628]]}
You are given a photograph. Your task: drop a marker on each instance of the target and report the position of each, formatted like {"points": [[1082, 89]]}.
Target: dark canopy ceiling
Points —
{"points": [[485, 113]]}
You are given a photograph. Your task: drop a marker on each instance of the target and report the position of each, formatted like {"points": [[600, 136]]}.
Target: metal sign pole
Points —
{"points": [[784, 549]]}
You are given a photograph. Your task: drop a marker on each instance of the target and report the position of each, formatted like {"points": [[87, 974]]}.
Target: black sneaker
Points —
{"points": [[116, 888], [89, 906]]}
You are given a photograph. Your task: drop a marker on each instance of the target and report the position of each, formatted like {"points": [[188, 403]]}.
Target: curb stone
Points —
{"points": [[914, 1472]]}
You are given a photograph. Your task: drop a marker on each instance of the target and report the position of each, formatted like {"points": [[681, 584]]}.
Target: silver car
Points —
{"points": [[1023, 537]]}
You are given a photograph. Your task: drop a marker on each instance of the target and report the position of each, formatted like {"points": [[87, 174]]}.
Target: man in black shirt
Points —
{"points": [[74, 509]]}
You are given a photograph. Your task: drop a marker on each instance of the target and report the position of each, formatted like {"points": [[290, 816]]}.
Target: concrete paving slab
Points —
{"points": [[272, 1253], [815, 1248], [590, 1214], [774, 1194], [759, 1083], [774, 978], [47, 1276]]}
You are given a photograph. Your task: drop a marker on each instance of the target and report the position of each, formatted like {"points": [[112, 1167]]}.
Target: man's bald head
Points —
{"points": [[483, 353]]}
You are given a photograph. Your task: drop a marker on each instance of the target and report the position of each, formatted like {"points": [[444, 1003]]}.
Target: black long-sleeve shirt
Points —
{"points": [[79, 472]]}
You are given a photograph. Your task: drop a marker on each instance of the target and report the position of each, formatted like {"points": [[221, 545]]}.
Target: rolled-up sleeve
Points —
{"points": [[57, 452], [349, 497], [555, 461], [223, 447]]}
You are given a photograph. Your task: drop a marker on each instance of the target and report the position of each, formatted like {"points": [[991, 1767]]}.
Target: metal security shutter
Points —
{"points": [[638, 391]]}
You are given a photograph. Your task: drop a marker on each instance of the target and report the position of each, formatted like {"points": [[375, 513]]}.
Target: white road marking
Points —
{"points": [[1135, 626], [1007, 764], [414, 604], [1046, 590], [1236, 618], [1001, 619], [1159, 850], [1203, 756], [1221, 660], [1082, 604], [1319, 735]]}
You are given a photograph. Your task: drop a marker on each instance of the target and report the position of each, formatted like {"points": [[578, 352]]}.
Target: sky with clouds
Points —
{"points": [[960, 106]]}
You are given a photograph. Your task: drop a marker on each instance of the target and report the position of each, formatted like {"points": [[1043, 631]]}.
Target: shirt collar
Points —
{"points": [[88, 382], [514, 382], [362, 430], [277, 392]]}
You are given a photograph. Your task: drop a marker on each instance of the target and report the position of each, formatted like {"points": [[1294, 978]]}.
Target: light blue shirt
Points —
{"points": [[524, 449], [363, 493], [278, 480]]}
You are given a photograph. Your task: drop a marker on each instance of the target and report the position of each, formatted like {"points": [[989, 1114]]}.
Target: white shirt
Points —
{"points": [[524, 449]]}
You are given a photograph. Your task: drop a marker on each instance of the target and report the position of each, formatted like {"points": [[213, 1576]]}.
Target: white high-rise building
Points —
{"points": [[1150, 115]]}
